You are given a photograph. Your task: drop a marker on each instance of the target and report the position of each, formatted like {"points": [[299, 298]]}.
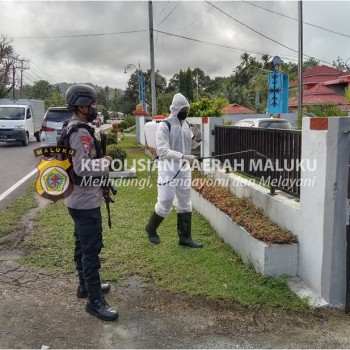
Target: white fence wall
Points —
{"points": [[319, 219]]}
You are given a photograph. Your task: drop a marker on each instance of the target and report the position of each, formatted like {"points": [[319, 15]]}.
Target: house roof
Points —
{"points": [[320, 93], [319, 74], [317, 95], [319, 90], [235, 108], [322, 70]]}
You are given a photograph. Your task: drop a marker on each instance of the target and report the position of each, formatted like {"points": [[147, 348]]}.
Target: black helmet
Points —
{"points": [[80, 95]]}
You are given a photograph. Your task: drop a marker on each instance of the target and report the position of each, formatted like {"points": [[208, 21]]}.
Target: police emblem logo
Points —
{"points": [[53, 181]]}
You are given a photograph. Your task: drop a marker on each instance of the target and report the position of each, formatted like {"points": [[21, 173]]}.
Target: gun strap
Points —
{"points": [[65, 141]]}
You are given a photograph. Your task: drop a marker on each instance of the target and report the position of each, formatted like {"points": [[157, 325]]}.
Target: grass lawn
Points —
{"points": [[10, 217], [214, 271]]}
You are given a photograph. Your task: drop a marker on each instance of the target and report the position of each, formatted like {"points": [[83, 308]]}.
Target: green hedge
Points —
{"points": [[128, 122], [117, 152], [112, 138]]}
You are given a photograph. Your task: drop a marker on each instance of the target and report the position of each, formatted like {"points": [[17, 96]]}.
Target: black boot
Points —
{"points": [[153, 223], [82, 290], [83, 293], [184, 223], [97, 305]]}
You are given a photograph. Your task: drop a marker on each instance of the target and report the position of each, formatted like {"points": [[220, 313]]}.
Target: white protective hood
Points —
{"points": [[179, 102]]}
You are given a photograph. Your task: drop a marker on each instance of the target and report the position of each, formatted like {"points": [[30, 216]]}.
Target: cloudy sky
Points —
{"points": [[59, 38]]}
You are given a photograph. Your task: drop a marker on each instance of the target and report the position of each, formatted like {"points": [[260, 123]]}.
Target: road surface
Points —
{"points": [[18, 168]]}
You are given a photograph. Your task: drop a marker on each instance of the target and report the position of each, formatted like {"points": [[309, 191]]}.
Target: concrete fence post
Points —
{"points": [[324, 169]]}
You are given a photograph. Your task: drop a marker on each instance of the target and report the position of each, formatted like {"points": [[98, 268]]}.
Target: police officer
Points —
{"points": [[174, 140], [84, 203]]}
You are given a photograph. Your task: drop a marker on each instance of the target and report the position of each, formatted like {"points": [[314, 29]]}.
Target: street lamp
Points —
{"points": [[140, 82]]}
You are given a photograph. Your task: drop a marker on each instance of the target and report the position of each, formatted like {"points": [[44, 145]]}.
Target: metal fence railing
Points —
{"points": [[270, 156]]}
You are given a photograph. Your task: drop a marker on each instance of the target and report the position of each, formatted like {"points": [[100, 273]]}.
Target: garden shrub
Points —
{"points": [[112, 139], [128, 122], [243, 212], [116, 152]]}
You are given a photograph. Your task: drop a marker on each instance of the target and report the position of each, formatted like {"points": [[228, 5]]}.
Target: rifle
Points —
{"points": [[109, 188]]}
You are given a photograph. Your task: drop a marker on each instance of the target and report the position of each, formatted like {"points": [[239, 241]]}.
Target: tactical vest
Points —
{"points": [[64, 141]]}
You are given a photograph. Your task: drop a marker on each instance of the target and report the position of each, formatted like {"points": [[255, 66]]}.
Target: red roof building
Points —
{"points": [[235, 108], [323, 85]]}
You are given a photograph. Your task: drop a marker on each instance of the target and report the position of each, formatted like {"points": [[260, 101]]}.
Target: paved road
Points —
{"points": [[17, 162]]}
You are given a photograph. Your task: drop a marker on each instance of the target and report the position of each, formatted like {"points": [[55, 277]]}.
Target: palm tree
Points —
{"points": [[266, 58]]}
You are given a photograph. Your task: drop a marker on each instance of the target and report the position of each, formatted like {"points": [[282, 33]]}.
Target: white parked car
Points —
{"points": [[52, 124], [265, 123]]}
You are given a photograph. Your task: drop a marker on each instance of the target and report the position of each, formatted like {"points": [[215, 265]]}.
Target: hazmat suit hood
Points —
{"points": [[179, 102]]}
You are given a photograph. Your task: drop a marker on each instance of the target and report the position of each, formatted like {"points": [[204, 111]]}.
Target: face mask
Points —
{"points": [[182, 115], [92, 114]]}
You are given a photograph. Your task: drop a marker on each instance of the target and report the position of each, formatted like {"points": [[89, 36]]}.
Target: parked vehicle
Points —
{"points": [[265, 123], [20, 120], [99, 120], [52, 125]]}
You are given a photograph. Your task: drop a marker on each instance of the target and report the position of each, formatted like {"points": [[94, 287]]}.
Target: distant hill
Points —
{"points": [[63, 87]]}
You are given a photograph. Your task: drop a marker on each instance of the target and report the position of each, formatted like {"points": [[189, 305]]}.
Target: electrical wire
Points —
{"points": [[166, 5], [38, 74], [296, 19], [199, 17], [43, 72], [79, 35], [261, 34], [177, 5], [222, 46]]}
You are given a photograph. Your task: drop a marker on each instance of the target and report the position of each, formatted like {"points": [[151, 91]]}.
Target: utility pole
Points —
{"points": [[300, 61], [197, 84], [13, 79], [22, 68], [151, 42]]}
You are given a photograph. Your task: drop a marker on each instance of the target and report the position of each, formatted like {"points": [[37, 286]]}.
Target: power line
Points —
{"points": [[37, 73], [29, 76], [78, 35], [200, 16], [166, 5], [43, 72], [177, 5], [252, 29], [222, 46], [163, 9], [261, 34], [295, 19]]}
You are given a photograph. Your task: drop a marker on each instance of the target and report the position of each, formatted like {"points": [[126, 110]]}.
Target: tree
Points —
{"points": [[104, 97], [6, 51], [160, 83], [347, 96], [310, 63], [201, 82], [206, 107], [340, 64], [186, 84], [132, 92], [189, 85], [217, 87], [290, 68], [244, 71], [41, 90], [56, 100], [267, 64], [173, 83], [182, 82], [164, 102]]}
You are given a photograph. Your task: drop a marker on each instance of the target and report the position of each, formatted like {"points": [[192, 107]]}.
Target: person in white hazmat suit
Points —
{"points": [[174, 140]]}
